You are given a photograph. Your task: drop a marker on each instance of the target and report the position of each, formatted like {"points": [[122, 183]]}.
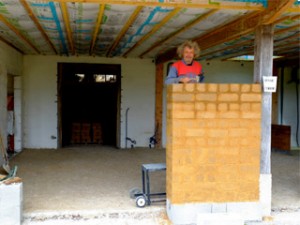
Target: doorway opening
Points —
{"points": [[88, 104]]}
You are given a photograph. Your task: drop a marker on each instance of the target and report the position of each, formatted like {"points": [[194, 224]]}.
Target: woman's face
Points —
{"points": [[188, 54]]}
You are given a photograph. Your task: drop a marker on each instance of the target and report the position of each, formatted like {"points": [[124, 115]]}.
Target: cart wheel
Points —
{"points": [[134, 192], [140, 201]]}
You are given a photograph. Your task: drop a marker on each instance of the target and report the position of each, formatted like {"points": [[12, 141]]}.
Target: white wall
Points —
{"points": [[289, 113], [40, 90], [11, 62], [218, 72]]}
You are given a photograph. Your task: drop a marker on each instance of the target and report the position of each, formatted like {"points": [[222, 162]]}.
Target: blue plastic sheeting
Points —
{"points": [[140, 29], [55, 19]]}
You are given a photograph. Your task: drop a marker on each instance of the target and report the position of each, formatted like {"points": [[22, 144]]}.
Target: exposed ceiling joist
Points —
{"points": [[38, 25], [11, 45], [207, 4], [181, 30], [155, 28], [67, 26], [97, 27], [18, 33], [278, 8], [132, 18]]}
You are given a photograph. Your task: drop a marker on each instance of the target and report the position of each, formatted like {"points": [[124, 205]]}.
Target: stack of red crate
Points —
{"points": [[76, 133], [97, 133], [86, 133]]}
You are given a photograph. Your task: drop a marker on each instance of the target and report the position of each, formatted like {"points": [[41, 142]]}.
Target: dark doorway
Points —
{"points": [[88, 103]]}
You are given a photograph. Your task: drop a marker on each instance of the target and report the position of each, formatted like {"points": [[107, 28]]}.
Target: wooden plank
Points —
{"points": [[97, 27], [263, 66], [65, 14], [159, 103]]}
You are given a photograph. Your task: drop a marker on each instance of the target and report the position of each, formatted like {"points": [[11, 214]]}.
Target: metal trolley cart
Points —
{"points": [[144, 197]]}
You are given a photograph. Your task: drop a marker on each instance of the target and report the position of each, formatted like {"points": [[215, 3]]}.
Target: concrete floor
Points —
{"points": [[94, 182]]}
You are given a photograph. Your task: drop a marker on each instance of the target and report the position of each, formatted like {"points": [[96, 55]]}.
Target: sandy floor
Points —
{"points": [[92, 178], [97, 181]]}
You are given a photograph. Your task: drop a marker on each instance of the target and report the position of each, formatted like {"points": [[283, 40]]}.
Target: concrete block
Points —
{"points": [[219, 208], [265, 193], [248, 210], [11, 204], [219, 218]]}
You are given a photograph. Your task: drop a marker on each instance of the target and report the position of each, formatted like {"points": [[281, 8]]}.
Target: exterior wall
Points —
{"points": [[40, 96], [213, 143]]}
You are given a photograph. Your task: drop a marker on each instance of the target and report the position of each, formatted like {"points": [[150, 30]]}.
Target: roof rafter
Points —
{"points": [[132, 18], [11, 45], [154, 29], [185, 4], [65, 14], [184, 28], [4, 20], [235, 29], [38, 25], [279, 8], [97, 27]]}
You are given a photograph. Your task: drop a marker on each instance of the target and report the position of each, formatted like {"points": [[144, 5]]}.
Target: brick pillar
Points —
{"points": [[213, 150]]}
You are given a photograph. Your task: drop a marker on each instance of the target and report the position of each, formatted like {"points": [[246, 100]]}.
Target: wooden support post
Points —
{"points": [[159, 103], [263, 64]]}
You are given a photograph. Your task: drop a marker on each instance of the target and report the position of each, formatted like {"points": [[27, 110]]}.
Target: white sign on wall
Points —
{"points": [[270, 83]]}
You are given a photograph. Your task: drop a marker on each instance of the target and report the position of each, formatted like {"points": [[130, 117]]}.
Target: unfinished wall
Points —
{"points": [[40, 90], [213, 144], [217, 72], [10, 63]]}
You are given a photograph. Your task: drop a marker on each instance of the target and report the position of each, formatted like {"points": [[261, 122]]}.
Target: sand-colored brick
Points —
{"points": [[201, 87], [206, 97], [224, 88], [256, 88], [228, 97], [223, 106], [245, 88], [189, 87], [235, 87], [181, 97], [251, 97], [200, 106], [175, 88], [212, 87]]}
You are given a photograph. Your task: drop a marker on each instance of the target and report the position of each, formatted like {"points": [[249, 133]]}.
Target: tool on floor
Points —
{"points": [[5, 165], [152, 140], [133, 142], [143, 198]]}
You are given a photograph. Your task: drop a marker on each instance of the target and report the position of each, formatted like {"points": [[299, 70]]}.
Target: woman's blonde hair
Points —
{"points": [[189, 44]]}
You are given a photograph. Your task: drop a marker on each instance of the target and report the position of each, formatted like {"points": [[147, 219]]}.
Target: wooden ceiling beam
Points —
{"points": [[38, 25], [181, 30], [65, 14], [124, 29], [11, 45], [278, 7], [97, 27], [185, 4], [154, 29], [228, 32], [18, 33]]}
